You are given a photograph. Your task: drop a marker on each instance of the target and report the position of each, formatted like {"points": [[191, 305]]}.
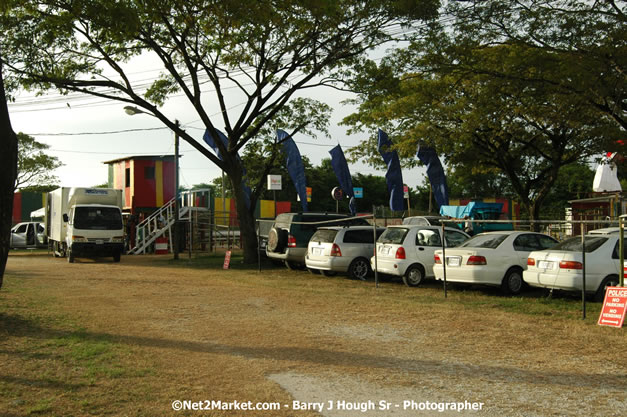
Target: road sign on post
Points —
{"points": [[614, 307], [274, 182]]}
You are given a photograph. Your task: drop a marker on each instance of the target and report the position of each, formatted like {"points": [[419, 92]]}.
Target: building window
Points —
{"points": [[127, 177], [149, 173]]}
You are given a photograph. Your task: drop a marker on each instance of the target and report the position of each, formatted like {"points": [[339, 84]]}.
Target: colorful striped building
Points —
{"points": [[147, 181], [25, 202]]}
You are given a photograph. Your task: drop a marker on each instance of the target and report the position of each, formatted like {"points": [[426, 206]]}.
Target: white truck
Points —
{"points": [[85, 222]]}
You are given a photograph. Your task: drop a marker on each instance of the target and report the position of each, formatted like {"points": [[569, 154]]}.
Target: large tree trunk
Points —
{"points": [[8, 162], [245, 215]]}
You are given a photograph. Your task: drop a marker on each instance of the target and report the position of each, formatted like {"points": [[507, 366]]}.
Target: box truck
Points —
{"points": [[85, 222]]}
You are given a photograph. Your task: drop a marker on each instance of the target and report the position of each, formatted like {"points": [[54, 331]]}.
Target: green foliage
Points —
{"points": [[494, 92], [34, 167], [264, 50]]}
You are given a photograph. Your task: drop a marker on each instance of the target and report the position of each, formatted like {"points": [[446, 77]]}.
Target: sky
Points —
{"points": [[84, 131]]}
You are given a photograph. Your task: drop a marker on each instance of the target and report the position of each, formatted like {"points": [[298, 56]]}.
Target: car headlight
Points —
{"points": [[78, 238], [117, 239]]}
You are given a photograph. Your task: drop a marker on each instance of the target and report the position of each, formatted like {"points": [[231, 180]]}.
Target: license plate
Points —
{"points": [[316, 251], [545, 264], [454, 261], [385, 250]]}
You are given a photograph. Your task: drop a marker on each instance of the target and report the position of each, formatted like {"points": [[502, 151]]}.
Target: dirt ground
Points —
{"points": [[336, 346]]}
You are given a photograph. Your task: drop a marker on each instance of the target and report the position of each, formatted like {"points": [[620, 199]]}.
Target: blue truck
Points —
{"points": [[477, 210]]}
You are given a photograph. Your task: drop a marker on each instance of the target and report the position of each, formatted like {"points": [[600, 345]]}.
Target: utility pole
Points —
{"points": [[175, 245]]}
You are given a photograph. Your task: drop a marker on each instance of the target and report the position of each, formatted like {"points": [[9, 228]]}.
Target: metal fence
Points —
{"points": [[559, 229]]}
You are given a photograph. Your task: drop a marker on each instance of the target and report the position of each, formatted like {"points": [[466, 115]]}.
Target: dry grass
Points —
{"points": [[98, 338]]}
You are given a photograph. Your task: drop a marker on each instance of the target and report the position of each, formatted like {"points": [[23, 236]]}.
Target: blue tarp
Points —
{"points": [[294, 164], [343, 174], [393, 177], [470, 209]]}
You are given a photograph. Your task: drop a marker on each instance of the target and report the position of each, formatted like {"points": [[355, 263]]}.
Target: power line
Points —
{"points": [[110, 132]]}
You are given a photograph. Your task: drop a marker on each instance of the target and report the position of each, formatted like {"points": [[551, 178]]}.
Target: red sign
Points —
{"points": [[614, 307], [227, 260]]}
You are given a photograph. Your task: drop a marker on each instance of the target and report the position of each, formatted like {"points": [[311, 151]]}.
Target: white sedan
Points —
{"points": [[407, 251], [561, 267], [492, 258]]}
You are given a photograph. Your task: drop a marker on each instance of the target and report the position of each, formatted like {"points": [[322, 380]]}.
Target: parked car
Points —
{"points": [[605, 231], [342, 249], [263, 229], [28, 235], [290, 234], [424, 220], [561, 267], [492, 258], [407, 251]]}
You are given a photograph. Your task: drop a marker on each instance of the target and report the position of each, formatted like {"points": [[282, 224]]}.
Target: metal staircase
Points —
{"points": [[156, 225]]}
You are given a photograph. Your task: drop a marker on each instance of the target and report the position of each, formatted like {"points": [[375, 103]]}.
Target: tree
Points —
{"points": [[266, 50], [487, 104], [8, 160], [34, 167], [584, 43]]}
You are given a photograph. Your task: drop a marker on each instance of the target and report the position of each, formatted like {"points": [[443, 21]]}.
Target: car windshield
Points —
{"points": [[324, 236], [490, 241], [97, 218], [393, 235], [574, 244]]}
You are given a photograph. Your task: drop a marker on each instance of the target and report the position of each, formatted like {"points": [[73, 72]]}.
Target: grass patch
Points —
{"points": [[53, 366]]}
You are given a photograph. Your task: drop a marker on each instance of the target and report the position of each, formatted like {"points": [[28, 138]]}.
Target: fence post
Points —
{"points": [[374, 231], [444, 259], [583, 277], [621, 275], [258, 245]]}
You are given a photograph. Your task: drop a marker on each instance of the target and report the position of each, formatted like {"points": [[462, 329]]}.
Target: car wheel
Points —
{"points": [[413, 276], [512, 282], [277, 239], [70, 257], [359, 269], [611, 281], [116, 257]]}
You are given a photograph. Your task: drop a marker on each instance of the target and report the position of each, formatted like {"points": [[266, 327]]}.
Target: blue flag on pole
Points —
{"points": [[393, 177], [435, 172], [209, 140], [294, 164], [343, 174]]}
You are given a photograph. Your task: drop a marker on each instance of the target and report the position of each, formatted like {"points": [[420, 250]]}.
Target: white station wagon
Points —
{"points": [[342, 249], [407, 251]]}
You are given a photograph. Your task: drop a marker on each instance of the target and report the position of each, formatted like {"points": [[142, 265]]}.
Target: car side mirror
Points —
{"points": [[65, 218]]}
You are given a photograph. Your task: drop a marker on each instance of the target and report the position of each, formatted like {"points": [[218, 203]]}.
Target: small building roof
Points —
{"points": [[152, 157]]}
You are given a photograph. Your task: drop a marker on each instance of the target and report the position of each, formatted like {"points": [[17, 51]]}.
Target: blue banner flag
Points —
{"points": [[294, 164], [435, 172], [209, 140], [393, 177], [343, 174]]}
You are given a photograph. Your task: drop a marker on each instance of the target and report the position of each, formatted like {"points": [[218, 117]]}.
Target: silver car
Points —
{"points": [[342, 249], [28, 235]]}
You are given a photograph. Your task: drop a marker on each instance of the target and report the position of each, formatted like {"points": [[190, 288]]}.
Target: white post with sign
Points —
{"points": [[274, 184]]}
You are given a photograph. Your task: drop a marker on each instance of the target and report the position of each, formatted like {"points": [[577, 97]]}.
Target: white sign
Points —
{"points": [[274, 182]]}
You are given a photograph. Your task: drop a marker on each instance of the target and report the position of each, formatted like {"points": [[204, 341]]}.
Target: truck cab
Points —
{"points": [[94, 230], [85, 222]]}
